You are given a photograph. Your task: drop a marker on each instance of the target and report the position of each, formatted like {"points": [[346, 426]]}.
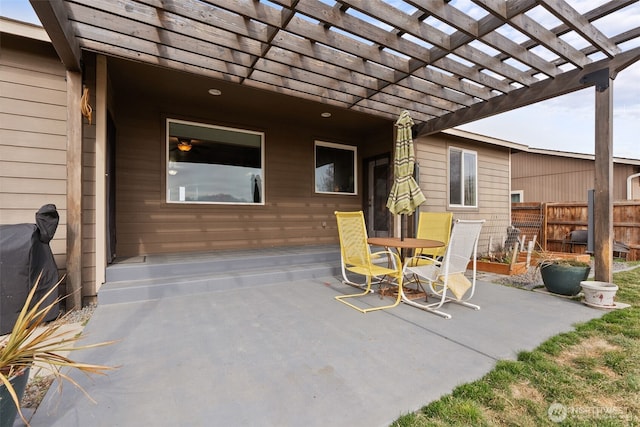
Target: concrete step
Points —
{"points": [[157, 279], [181, 265]]}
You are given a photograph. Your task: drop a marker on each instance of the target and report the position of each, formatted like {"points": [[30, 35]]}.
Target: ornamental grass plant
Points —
{"points": [[33, 341]]}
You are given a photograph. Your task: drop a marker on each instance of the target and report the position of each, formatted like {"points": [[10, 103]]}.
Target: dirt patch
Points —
{"points": [[590, 347], [524, 390]]}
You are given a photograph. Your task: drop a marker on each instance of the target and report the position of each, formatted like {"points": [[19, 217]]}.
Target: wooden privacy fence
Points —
{"points": [[552, 222]]}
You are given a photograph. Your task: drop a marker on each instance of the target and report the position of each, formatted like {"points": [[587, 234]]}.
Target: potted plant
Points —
{"points": [[31, 341], [563, 276]]}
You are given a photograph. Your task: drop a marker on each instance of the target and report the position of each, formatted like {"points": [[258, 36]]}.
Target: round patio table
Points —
{"points": [[402, 246], [406, 243]]}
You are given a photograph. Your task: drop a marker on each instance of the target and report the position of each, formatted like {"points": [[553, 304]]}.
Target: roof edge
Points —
{"points": [[23, 29], [580, 155], [484, 138]]}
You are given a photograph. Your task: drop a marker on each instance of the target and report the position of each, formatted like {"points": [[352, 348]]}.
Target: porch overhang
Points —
{"points": [[430, 57]]}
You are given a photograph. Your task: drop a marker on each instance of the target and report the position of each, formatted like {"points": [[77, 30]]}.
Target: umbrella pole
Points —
{"points": [[403, 226]]}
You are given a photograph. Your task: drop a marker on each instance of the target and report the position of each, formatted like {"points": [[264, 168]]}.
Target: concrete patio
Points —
{"points": [[288, 354]]}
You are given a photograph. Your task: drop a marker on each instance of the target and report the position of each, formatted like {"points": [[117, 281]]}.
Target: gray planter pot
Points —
{"points": [[8, 409], [563, 279]]}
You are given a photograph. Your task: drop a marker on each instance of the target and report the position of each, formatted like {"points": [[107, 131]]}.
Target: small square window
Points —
{"points": [[335, 168]]}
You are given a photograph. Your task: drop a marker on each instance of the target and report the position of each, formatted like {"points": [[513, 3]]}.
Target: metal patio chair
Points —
{"points": [[446, 278], [356, 258], [434, 226]]}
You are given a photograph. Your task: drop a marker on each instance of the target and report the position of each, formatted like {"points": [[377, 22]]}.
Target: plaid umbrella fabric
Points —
{"points": [[405, 195]]}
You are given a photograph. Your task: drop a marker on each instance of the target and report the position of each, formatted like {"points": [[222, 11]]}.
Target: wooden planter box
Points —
{"points": [[500, 267], [536, 258]]}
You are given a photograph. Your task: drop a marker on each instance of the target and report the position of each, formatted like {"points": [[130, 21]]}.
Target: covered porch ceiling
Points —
{"points": [[448, 62]]}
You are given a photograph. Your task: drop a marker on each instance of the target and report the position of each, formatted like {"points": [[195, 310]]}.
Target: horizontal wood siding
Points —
{"points": [[547, 178], [493, 182], [292, 215], [32, 135]]}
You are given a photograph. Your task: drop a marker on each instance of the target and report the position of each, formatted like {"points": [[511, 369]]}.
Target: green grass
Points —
{"points": [[587, 377]]}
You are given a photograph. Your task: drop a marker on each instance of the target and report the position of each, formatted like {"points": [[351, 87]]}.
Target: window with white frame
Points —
{"points": [[463, 178], [517, 196], [214, 164], [335, 168]]}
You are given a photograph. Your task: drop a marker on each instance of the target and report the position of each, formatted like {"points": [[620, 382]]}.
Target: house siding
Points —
{"points": [[292, 214], [493, 183], [493, 176], [548, 178], [33, 138]]}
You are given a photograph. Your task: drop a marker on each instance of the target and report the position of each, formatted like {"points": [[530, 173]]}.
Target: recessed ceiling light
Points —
{"points": [[326, 114], [215, 92]]}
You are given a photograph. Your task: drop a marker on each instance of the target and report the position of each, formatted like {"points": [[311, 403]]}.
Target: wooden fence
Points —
{"points": [[552, 222]]}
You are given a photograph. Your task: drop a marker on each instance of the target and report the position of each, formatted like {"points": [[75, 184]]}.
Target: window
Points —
{"points": [[212, 164], [335, 168], [463, 178], [517, 196]]}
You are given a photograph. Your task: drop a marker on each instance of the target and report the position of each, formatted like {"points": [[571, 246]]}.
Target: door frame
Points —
{"points": [[369, 199]]}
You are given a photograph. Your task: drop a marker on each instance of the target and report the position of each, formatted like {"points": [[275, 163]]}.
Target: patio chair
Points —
{"points": [[357, 258], [446, 278], [435, 226]]}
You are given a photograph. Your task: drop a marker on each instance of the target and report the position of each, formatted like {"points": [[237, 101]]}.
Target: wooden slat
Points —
{"points": [[28, 155], [336, 18], [54, 17], [49, 81], [34, 109], [564, 83], [546, 38], [581, 25], [385, 12]]}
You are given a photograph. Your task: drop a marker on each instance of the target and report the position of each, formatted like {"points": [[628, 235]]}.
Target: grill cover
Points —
{"points": [[24, 254]]}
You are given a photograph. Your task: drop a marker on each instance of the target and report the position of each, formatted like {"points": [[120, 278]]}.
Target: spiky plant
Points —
{"points": [[32, 340]]}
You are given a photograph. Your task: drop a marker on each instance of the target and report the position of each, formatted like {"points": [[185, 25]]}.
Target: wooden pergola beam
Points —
{"points": [[546, 89], [54, 18]]}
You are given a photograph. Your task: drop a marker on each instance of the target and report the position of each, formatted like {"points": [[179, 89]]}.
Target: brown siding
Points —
{"points": [[493, 182], [292, 215], [32, 135], [547, 178], [493, 175]]}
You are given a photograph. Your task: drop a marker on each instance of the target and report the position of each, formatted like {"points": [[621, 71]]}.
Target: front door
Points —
{"points": [[378, 185]]}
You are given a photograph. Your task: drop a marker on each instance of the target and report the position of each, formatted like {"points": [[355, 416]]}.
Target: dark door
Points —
{"points": [[377, 186]]}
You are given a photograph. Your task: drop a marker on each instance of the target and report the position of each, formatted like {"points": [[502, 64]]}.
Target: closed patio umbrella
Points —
{"points": [[405, 195]]}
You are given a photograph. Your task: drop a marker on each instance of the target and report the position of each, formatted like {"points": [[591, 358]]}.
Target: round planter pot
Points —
{"points": [[8, 409], [599, 294], [563, 279]]}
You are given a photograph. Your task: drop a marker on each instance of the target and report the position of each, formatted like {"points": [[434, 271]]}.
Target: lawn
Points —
{"points": [[588, 377]]}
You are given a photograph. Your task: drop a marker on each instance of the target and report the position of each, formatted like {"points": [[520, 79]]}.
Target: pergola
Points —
{"points": [[448, 62]]}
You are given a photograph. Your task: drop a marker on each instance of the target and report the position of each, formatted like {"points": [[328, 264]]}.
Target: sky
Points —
{"points": [[565, 123]]}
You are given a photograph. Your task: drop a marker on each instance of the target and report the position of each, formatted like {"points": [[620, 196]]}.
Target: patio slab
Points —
{"points": [[288, 354]]}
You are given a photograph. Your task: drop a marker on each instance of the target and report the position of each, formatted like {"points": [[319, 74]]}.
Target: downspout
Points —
{"points": [[629, 188]]}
